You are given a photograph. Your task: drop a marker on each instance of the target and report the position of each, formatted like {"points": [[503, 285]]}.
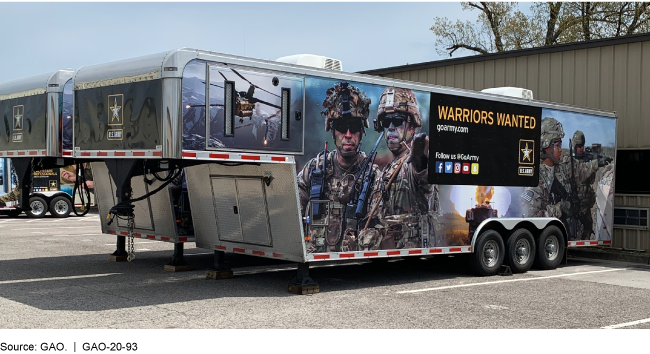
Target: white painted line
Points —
{"points": [[627, 324], [54, 228], [36, 232], [508, 281], [143, 249], [97, 234], [57, 278]]}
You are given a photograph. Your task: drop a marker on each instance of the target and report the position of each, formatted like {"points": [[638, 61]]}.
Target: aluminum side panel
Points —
{"points": [[282, 204], [153, 216]]}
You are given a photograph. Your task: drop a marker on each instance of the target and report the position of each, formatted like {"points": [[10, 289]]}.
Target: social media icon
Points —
{"points": [[474, 168], [449, 167], [440, 166], [457, 167], [465, 168]]}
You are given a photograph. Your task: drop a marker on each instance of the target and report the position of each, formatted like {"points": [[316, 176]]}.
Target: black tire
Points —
{"points": [[489, 253], [520, 251], [550, 248], [60, 207], [39, 207]]}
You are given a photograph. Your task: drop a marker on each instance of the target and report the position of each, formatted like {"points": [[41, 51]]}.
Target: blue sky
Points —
{"points": [[43, 37]]}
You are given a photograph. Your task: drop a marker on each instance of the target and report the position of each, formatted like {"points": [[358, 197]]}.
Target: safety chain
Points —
{"points": [[131, 252]]}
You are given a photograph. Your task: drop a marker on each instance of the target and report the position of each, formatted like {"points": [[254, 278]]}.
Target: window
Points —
{"points": [[631, 217], [629, 167]]}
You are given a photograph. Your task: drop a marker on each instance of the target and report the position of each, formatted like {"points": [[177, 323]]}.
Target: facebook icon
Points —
{"points": [[439, 166], [449, 167]]}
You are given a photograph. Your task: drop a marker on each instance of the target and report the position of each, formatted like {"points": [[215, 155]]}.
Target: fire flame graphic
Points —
{"points": [[484, 194]]}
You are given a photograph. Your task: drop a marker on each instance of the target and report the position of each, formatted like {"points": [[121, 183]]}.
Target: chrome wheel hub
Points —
{"points": [[522, 251], [490, 254], [37, 207], [551, 247], [61, 207]]}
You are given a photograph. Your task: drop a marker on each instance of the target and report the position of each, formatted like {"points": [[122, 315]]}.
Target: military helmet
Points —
{"points": [[340, 96], [578, 138], [399, 100], [551, 129]]}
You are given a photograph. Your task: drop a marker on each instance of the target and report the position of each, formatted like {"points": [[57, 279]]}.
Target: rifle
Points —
{"points": [[317, 191], [357, 205], [575, 200]]}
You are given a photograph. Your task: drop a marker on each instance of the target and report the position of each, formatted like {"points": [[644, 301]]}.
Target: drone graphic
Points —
{"points": [[246, 104]]}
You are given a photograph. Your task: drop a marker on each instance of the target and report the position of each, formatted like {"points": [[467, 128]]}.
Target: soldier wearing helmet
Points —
{"points": [[579, 145], [346, 110], [408, 206], [554, 197]]}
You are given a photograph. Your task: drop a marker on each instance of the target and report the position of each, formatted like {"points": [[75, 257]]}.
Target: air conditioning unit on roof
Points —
{"points": [[316, 61]]}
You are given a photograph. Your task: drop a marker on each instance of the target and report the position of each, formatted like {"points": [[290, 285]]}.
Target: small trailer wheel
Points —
{"points": [[60, 207], [520, 251], [39, 207], [550, 248], [489, 253]]}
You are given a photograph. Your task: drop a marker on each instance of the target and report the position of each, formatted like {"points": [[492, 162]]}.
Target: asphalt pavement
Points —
{"points": [[55, 273]]}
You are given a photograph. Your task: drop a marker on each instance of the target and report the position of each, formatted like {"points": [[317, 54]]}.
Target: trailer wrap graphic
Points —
{"points": [[371, 152], [119, 117], [23, 123], [257, 109], [483, 142], [411, 212]]}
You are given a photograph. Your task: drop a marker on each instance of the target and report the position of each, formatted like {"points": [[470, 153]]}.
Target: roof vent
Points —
{"points": [[316, 61], [511, 91]]}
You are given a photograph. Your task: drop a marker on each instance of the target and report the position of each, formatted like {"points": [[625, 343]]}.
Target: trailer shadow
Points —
{"points": [[91, 283]]}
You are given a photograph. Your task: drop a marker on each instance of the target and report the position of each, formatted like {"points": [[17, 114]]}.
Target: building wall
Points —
{"points": [[633, 238], [610, 78]]}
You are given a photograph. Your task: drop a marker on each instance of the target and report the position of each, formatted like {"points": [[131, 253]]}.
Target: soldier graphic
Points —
{"points": [[408, 204], [13, 196], [559, 181], [346, 111], [587, 189]]}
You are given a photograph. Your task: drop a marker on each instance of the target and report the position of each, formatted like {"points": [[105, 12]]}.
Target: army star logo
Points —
{"points": [[526, 153], [115, 104], [18, 117]]}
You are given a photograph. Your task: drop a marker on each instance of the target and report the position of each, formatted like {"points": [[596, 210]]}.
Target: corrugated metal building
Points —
{"points": [[611, 74]]}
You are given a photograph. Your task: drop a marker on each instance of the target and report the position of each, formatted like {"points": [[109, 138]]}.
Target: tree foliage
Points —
{"points": [[502, 26]]}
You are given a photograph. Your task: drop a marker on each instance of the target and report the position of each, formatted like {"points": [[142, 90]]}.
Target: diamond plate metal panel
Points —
{"points": [[284, 217], [252, 211], [224, 194]]}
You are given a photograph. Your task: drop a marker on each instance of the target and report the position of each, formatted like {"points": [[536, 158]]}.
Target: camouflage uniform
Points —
{"points": [[11, 197], [337, 180], [338, 183], [540, 200], [409, 208], [586, 192]]}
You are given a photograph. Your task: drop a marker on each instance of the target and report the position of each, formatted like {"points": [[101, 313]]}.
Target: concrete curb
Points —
{"points": [[610, 256]]}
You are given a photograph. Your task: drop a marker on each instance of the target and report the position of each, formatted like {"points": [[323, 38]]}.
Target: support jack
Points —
{"points": [[303, 284], [178, 263], [221, 269]]}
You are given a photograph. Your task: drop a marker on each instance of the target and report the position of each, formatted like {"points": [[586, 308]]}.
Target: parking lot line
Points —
{"points": [[57, 278], [507, 281], [627, 324]]}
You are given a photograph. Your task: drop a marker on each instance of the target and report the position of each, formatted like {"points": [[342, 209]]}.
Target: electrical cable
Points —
{"points": [[79, 180]]}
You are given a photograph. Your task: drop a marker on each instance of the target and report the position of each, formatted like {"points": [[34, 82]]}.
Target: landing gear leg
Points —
{"points": [[121, 171], [221, 269], [303, 284], [178, 263]]}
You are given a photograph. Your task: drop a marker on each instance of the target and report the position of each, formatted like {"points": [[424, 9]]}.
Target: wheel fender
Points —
{"points": [[511, 223]]}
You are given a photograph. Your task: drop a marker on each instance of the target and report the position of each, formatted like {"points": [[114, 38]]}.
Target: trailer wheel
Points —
{"points": [[39, 207], [550, 248], [520, 250], [60, 207], [489, 252]]}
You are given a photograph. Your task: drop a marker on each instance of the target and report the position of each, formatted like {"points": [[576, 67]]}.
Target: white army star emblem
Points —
{"points": [[18, 117], [526, 153], [115, 111]]}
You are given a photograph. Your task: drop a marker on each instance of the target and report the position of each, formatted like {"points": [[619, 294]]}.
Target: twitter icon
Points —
{"points": [[449, 166]]}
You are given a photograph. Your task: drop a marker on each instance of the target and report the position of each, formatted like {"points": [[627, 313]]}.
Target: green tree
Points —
{"points": [[502, 26]]}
